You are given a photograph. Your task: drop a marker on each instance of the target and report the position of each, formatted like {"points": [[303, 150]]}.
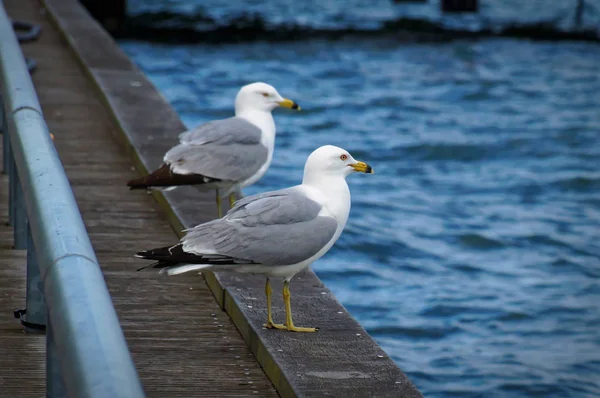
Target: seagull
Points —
{"points": [[276, 234], [227, 154]]}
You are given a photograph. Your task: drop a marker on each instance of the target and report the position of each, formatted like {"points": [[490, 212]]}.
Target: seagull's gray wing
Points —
{"points": [[276, 228], [228, 149]]}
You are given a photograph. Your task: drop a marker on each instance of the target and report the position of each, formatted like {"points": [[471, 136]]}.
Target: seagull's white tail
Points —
{"points": [[184, 268]]}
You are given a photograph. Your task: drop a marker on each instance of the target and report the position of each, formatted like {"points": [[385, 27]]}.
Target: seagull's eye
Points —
{"points": [[265, 94], [343, 157]]}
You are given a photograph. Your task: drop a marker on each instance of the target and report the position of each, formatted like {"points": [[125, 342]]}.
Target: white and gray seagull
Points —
{"points": [[276, 234], [227, 154]]}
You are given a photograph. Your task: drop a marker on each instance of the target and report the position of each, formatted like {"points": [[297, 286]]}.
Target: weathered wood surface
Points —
{"points": [[182, 343], [341, 359]]}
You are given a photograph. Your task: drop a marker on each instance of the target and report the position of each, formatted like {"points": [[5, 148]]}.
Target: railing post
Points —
{"points": [[55, 387], [7, 160], [35, 316], [11, 171], [3, 127], [19, 213]]}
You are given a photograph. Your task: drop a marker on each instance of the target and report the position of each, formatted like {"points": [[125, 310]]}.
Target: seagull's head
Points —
{"points": [[261, 97], [334, 161]]}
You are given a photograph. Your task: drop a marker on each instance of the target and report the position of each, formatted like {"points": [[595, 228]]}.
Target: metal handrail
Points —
{"points": [[87, 355]]}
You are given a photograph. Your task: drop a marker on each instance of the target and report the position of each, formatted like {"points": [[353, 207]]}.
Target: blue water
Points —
{"points": [[338, 14], [473, 254]]}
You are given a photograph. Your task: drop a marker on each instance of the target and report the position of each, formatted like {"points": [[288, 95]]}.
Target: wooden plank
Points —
{"points": [[181, 341], [341, 359]]}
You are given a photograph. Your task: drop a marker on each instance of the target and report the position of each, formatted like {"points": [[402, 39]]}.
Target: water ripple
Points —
{"points": [[473, 254]]}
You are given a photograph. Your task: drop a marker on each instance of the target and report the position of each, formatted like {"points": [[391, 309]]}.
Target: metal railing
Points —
{"points": [[87, 355]]}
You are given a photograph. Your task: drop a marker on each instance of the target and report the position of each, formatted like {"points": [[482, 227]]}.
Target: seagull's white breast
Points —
{"points": [[265, 122]]}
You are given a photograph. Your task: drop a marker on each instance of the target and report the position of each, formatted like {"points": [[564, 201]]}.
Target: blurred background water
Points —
{"points": [[473, 255]]}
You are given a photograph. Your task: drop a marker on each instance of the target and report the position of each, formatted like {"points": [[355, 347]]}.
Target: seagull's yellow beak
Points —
{"points": [[286, 103], [362, 167]]}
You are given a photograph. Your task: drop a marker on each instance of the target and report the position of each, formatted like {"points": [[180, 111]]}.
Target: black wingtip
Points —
{"points": [[152, 265]]}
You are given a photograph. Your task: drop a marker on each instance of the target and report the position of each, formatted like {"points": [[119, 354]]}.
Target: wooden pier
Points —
{"points": [[189, 336]]}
